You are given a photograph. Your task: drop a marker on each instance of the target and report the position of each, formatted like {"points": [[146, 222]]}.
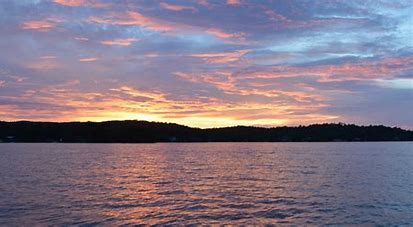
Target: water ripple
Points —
{"points": [[212, 184]]}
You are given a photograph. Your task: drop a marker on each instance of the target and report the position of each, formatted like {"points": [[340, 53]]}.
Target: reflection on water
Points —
{"points": [[234, 183]]}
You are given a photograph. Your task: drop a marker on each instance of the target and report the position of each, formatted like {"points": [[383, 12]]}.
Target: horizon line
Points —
{"points": [[229, 126]]}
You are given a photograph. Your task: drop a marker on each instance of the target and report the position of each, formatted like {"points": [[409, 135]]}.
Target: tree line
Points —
{"points": [[150, 132]]}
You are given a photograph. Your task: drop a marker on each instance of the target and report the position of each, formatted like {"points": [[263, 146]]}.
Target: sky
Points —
{"points": [[208, 63]]}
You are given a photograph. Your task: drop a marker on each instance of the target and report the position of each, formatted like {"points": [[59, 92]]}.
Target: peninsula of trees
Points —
{"points": [[151, 132]]}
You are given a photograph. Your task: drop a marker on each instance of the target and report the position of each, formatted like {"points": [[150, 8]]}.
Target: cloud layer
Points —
{"points": [[208, 63]]}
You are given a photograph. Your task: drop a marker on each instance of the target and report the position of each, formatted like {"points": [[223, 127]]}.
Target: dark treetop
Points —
{"points": [[147, 132]]}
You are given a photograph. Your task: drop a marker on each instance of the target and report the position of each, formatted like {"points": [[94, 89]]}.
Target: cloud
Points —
{"points": [[366, 69], [224, 35], [136, 18], [173, 7], [80, 3], [203, 3], [120, 42], [41, 25], [396, 83], [132, 18], [283, 22], [81, 39], [231, 84], [233, 2], [88, 59], [48, 57], [221, 57], [220, 79], [43, 64], [293, 62], [152, 95], [70, 2]]}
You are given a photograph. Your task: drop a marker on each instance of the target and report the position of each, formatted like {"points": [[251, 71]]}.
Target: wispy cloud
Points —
{"points": [[174, 7], [233, 2], [203, 3], [221, 57], [120, 42], [80, 3], [88, 59], [133, 18], [41, 25], [48, 57], [224, 35], [81, 39], [70, 2]]}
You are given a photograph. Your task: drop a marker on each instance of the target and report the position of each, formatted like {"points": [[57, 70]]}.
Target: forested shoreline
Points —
{"points": [[151, 132]]}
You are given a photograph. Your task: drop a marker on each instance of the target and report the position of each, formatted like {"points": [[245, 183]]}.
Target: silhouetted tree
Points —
{"points": [[148, 132]]}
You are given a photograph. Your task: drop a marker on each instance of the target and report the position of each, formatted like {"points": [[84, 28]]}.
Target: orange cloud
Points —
{"points": [[176, 7], [41, 25], [221, 79], [153, 95], [38, 25], [120, 42], [152, 55], [230, 84], [88, 59], [125, 102]]}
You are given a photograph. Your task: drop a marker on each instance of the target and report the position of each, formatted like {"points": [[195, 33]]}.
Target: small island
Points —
{"points": [[132, 131]]}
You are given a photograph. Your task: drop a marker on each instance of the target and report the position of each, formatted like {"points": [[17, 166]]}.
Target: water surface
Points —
{"points": [[210, 183]]}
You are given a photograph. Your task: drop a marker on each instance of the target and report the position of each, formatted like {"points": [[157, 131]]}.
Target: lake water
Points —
{"points": [[208, 183]]}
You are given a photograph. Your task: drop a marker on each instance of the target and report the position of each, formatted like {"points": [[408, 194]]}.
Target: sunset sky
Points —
{"points": [[208, 63]]}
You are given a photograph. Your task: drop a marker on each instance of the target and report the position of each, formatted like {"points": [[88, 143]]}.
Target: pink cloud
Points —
{"points": [[223, 57], [233, 2], [362, 70], [79, 3], [203, 3], [224, 35], [48, 57], [41, 25], [133, 18], [70, 2], [174, 7], [120, 42]]}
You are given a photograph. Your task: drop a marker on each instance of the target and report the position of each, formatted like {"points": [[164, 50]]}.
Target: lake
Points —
{"points": [[207, 183]]}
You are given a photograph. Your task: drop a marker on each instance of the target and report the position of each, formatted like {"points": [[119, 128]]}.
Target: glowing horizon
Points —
{"points": [[207, 63]]}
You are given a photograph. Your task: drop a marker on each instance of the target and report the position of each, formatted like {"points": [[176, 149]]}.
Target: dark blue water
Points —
{"points": [[206, 183]]}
